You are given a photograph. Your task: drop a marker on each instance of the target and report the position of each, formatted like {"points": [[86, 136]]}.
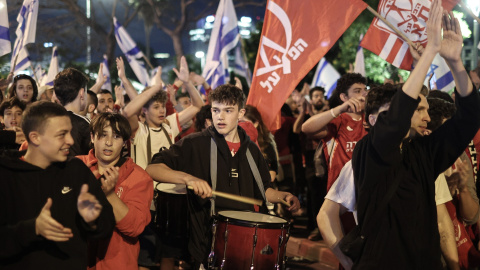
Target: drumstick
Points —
{"points": [[234, 197], [284, 202]]}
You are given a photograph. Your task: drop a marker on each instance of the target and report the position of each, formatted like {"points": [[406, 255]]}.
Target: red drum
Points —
{"points": [[249, 240], [171, 217]]}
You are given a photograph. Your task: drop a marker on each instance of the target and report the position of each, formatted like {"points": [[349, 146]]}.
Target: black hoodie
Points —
{"points": [[24, 191], [192, 155]]}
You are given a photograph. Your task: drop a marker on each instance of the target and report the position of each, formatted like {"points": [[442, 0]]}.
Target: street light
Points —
{"points": [[474, 6], [201, 56]]}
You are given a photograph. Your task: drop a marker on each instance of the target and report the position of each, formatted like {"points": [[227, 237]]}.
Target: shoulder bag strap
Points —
{"points": [[213, 173], [256, 173]]}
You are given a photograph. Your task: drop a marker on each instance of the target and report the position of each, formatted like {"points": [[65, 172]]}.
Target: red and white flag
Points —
{"points": [[295, 36], [408, 16]]}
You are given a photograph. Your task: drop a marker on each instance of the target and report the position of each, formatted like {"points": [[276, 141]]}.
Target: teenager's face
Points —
{"points": [[105, 102], [155, 114], [24, 90], [357, 90], [184, 102], [55, 141], [12, 117], [225, 119], [108, 146], [420, 118]]}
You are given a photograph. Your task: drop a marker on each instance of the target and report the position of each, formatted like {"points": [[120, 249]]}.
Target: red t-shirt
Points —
{"points": [[233, 147], [346, 132]]}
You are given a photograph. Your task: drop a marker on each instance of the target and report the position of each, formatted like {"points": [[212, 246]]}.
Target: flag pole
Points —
{"points": [[390, 25], [468, 10], [15, 62], [34, 74], [148, 62]]}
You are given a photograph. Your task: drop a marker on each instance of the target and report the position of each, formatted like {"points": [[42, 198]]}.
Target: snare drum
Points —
{"points": [[249, 240]]}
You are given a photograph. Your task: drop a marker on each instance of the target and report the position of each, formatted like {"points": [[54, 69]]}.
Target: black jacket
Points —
{"points": [[192, 155], [406, 237], [80, 134], [23, 193]]}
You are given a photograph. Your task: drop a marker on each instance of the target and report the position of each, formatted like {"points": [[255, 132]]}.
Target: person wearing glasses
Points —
{"points": [[24, 88]]}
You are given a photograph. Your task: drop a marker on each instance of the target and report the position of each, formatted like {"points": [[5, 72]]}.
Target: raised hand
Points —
{"points": [[354, 105], [88, 206], [157, 79], [196, 79], [452, 38], [434, 26], [183, 74], [49, 228], [109, 180], [120, 67], [100, 77], [120, 101]]}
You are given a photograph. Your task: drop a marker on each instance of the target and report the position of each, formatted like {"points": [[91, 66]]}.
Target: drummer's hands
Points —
{"points": [[200, 187], [293, 201]]}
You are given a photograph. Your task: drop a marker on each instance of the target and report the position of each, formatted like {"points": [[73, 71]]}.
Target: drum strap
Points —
{"points": [[213, 173]]}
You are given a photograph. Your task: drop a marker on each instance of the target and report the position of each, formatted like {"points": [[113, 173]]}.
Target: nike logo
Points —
{"points": [[349, 128], [65, 190]]}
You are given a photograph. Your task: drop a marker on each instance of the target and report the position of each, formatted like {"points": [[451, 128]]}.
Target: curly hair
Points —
{"points": [[201, 116], [118, 122], [228, 94], [160, 97], [347, 80], [439, 109], [13, 89], [67, 85], [377, 97], [10, 103]]}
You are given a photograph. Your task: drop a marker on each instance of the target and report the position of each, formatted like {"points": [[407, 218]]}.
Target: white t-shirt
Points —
{"points": [[157, 139], [343, 190]]}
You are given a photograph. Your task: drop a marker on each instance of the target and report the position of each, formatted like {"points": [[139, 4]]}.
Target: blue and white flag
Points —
{"points": [[27, 27], [23, 61], [39, 73], [442, 76], [106, 73], [241, 66], [224, 37], [5, 44], [132, 53], [326, 76], [360, 60], [52, 69]]}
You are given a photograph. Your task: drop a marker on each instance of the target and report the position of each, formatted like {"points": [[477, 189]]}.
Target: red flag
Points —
{"points": [[408, 16], [295, 36]]}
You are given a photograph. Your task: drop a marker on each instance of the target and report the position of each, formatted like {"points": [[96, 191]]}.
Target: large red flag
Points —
{"points": [[408, 16], [295, 36]]}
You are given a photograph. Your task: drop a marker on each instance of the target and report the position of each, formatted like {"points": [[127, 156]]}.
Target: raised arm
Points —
{"points": [[183, 75], [127, 85], [451, 52], [133, 108], [414, 83], [100, 80]]}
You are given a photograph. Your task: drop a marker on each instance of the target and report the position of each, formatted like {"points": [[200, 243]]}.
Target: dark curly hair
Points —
{"points": [[161, 97], [118, 122], [228, 94], [12, 92], [439, 109], [347, 80], [201, 116], [377, 97], [10, 103], [67, 85], [441, 95]]}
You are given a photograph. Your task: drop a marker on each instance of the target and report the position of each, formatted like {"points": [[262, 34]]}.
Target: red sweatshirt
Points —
{"points": [[134, 187]]}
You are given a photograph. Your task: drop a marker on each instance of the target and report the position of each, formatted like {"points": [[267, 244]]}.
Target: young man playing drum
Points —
{"points": [[189, 162]]}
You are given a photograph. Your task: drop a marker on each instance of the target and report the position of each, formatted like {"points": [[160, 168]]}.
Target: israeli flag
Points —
{"points": [[106, 73], [39, 73], [224, 37], [442, 76], [23, 61], [360, 60], [132, 53], [326, 76], [241, 66], [52, 69], [5, 44], [27, 27]]}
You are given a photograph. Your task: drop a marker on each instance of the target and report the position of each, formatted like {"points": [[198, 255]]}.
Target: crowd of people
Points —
{"points": [[88, 173]]}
